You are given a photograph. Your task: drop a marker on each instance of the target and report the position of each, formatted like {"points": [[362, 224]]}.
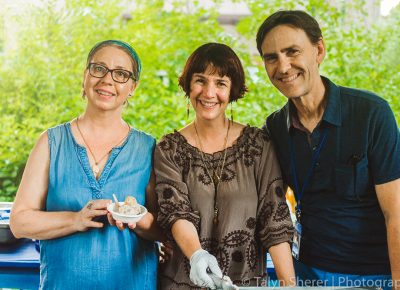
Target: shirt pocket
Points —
{"points": [[352, 180]]}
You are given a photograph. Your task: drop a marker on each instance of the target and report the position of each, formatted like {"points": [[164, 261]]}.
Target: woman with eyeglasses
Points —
{"points": [[71, 175]]}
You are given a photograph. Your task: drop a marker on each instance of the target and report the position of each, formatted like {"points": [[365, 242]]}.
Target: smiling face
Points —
{"points": [[104, 93], [292, 61], [209, 94]]}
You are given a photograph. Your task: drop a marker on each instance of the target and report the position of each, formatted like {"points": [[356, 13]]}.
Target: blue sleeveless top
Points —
{"points": [[105, 258]]}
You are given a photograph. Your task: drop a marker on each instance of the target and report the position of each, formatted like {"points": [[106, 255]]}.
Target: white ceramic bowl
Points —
{"points": [[126, 218]]}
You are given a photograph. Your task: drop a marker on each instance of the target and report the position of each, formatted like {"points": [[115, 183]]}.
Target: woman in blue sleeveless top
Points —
{"points": [[71, 175]]}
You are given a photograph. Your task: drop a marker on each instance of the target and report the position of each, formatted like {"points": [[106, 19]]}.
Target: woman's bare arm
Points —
{"points": [[28, 218]]}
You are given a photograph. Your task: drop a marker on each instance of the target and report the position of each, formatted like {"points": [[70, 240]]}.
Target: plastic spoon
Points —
{"points": [[116, 207]]}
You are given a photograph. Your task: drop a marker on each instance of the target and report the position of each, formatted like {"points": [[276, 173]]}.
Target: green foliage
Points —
{"points": [[41, 78]]}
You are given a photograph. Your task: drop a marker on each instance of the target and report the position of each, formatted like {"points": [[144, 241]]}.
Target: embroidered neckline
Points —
{"points": [[236, 144]]}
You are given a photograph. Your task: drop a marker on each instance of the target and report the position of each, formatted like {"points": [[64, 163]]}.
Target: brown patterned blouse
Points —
{"points": [[253, 214]]}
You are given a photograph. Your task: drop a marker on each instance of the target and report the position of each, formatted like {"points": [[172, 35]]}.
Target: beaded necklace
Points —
{"points": [[215, 178]]}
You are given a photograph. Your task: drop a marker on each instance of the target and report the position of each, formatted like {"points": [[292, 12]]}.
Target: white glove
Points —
{"points": [[200, 262]]}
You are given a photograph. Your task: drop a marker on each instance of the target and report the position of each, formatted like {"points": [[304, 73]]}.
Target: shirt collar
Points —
{"points": [[332, 114], [333, 110]]}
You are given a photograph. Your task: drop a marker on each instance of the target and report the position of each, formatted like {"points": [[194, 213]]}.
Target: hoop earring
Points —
{"points": [[188, 108], [231, 112]]}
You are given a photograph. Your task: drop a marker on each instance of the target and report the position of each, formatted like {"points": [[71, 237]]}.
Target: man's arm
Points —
{"points": [[389, 199]]}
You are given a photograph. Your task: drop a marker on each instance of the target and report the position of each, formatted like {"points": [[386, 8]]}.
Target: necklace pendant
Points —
{"points": [[215, 220], [96, 170], [215, 177]]}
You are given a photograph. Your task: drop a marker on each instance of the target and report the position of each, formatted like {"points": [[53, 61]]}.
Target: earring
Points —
{"points": [[188, 108], [231, 112], [83, 92]]}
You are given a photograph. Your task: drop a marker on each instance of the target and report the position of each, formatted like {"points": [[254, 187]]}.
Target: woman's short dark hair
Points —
{"points": [[222, 60], [296, 18]]}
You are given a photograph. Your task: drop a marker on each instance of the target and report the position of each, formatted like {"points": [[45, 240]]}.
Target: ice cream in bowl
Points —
{"points": [[128, 211]]}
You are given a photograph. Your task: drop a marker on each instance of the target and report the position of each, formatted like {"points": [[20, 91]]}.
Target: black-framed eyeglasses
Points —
{"points": [[118, 75]]}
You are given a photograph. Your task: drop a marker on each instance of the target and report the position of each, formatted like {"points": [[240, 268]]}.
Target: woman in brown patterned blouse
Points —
{"points": [[219, 185]]}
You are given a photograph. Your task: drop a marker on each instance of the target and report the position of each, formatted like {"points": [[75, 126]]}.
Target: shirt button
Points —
{"points": [[314, 148]]}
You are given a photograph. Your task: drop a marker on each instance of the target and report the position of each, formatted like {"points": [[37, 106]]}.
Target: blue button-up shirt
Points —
{"points": [[343, 225]]}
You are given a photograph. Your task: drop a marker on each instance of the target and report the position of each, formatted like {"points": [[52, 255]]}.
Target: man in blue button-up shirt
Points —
{"points": [[339, 149]]}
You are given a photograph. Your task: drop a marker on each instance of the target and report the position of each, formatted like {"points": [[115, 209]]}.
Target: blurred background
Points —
{"points": [[44, 45]]}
